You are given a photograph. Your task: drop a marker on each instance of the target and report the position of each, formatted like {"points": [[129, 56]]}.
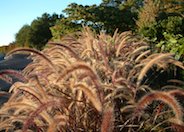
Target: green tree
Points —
{"points": [[108, 16], [64, 26], [22, 36], [38, 33], [40, 30]]}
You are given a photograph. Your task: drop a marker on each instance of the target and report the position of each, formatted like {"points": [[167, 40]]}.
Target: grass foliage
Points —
{"points": [[95, 82]]}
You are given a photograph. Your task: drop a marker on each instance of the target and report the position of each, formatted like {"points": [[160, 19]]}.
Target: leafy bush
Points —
{"points": [[167, 35], [173, 44], [172, 25]]}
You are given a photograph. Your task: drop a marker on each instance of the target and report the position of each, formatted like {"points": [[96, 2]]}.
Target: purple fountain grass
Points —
{"points": [[108, 120], [82, 66], [72, 86], [65, 47], [29, 50], [13, 73], [160, 96], [53, 103], [91, 95]]}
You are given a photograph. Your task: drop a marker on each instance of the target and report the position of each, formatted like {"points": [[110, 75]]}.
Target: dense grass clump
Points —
{"points": [[96, 83]]}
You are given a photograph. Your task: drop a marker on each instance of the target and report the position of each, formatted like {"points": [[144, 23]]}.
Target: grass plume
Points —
{"points": [[94, 82]]}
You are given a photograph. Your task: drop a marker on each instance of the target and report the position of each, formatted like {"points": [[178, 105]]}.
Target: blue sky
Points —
{"points": [[16, 13]]}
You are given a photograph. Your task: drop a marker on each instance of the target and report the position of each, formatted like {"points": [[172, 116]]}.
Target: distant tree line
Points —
{"points": [[157, 20], [5, 49], [38, 33]]}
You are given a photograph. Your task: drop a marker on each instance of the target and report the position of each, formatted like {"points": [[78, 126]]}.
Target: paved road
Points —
{"points": [[16, 62]]}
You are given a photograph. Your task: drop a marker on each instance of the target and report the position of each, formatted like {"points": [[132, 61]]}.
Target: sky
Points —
{"points": [[16, 13]]}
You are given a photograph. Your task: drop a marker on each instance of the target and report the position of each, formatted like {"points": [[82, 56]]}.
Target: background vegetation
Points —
{"points": [[160, 21]]}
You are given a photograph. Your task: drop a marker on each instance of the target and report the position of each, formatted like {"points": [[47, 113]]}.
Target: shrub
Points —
{"points": [[173, 44]]}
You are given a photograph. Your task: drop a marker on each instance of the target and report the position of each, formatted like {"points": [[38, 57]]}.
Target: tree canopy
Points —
{"points": [[108, 16], [150, 18], [38, 33], [22, 37]]}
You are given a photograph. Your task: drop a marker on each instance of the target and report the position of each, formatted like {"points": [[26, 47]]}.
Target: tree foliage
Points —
{"points": [[108, 16], [162, 22], [151, 18], [38, 33], [173, 44], [63, 27], [23, 35]]}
